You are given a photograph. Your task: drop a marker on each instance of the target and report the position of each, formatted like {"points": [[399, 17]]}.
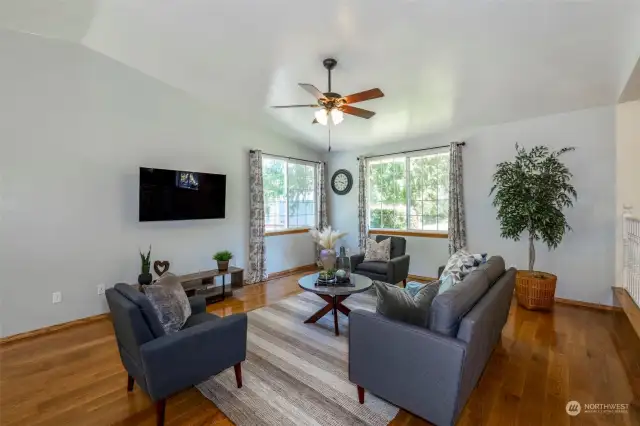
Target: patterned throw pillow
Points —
{"points": [[397, 304], [460, 264], [479, 259], [169, 301], [378, 251]]}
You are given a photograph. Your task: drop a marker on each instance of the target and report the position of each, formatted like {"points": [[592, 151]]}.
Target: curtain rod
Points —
{"points": [[288, 158], [413, 150]]}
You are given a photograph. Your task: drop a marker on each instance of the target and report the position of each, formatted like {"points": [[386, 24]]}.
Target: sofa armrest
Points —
{"points": [[398, 269], [410, 366], [356, 259], [198, 304], [176, 361]]}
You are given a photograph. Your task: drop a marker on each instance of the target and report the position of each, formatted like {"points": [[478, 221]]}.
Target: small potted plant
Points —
{"points": [[223, 257], [530, 194], [145, 273]]}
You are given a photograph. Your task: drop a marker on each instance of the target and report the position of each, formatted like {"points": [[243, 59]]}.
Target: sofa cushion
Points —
{"points": [[145, 306], [459, 265], [494, 268], [449, 307], [170, 302], [199, 319], [373, 266], [377, 251], [398, 245], [413, 287], [398, 304]]}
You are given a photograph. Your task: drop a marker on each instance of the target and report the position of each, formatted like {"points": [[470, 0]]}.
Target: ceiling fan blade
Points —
{"points": [[313, 90], [363, 96], [296, 106], [358, 112]]}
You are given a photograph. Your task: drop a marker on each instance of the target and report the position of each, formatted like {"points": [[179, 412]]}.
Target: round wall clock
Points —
{"points": [[341, 182]]}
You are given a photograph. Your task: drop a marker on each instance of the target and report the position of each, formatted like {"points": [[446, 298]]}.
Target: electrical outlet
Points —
{"points": [[57, 297], [100, 289]]}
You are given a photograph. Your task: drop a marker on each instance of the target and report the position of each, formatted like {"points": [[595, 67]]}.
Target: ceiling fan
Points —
{"points": [[333, 104]]}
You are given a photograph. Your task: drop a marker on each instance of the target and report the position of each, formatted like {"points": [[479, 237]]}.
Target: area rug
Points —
{"points": [[296, 373]]}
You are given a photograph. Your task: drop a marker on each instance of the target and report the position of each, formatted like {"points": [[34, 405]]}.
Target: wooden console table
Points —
{"points": [[203, 283]]}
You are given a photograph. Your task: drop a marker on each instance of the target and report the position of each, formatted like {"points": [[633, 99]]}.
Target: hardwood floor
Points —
{"points": [[544, 360]]}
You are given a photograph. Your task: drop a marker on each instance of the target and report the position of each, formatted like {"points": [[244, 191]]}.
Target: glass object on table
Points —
{"points": [[343, 267]]}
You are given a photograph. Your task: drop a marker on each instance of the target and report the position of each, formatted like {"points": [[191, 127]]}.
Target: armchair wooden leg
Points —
{"points": [[238, 369], [130, 382], [160, 406], [360, 394]]}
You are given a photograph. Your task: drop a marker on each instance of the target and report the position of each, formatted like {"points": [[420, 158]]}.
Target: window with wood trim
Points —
{"points": [[409, 192], [289, 193]]}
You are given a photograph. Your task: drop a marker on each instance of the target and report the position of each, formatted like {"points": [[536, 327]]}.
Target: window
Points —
{"points": [[289, 193], [409, 192]]}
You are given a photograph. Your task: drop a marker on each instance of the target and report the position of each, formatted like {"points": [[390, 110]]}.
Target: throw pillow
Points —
{"points": [[413, 287], [460, 264], [378, 251], [479, 259], [397, 304], [169, 301]]}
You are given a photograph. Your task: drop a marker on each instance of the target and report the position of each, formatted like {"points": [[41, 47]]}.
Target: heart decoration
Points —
{"points": [[161, 266]]}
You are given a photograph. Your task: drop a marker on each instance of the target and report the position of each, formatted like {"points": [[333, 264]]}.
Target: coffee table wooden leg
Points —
{"points": [[334, 303], [322, 312], [335, 316], [344, 309], [341, 307]]}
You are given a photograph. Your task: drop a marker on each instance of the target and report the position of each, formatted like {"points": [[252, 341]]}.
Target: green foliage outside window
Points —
{"points": [[290, 182], [428, 192]]}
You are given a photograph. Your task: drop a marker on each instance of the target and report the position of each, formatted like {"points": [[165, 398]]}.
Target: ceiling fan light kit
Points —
{"points": [[336, 116], [321, 116]]}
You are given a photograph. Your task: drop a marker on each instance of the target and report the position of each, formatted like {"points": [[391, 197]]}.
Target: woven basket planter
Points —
{"points": [[536, 290]]}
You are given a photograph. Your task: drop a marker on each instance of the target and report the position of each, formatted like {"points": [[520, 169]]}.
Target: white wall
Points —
{"points": [[289, 251], [627, 170], [74, 128], [584, 261]]}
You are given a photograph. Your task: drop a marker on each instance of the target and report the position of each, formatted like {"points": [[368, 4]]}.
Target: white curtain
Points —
{"points": [[363, 220], [457, 225], [257, 270]]}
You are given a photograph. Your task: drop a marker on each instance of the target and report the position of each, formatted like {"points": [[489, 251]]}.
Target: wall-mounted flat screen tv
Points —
{"points": [[180, 195]]}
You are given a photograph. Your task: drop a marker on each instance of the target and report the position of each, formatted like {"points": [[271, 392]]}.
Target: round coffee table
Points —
{"points": [[334, 295]]}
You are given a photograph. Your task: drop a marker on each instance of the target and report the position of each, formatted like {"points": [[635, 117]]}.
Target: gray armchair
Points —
{"points": [[394, 271], [163, 364]]}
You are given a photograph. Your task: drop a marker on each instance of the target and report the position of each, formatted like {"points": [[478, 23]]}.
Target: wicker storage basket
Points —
{"points": [[536, 290]]}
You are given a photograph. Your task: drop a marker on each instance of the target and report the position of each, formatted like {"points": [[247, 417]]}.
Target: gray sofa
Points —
{"points": [[431, 372], [163, 364], [393, 271]]}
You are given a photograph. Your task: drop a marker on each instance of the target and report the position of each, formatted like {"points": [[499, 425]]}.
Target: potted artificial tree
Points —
{"points": [[223, 257], [530, 194], [145, 276]]}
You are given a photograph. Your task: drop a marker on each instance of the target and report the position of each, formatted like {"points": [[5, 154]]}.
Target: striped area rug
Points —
{"points": [[295, 373]]}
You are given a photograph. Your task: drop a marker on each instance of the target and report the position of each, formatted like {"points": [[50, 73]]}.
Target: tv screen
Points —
{"points": [[180, 195]]}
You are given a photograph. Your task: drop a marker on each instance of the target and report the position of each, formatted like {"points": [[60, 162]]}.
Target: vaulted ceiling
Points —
{"points": [[631, 90], [441, 64]]}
